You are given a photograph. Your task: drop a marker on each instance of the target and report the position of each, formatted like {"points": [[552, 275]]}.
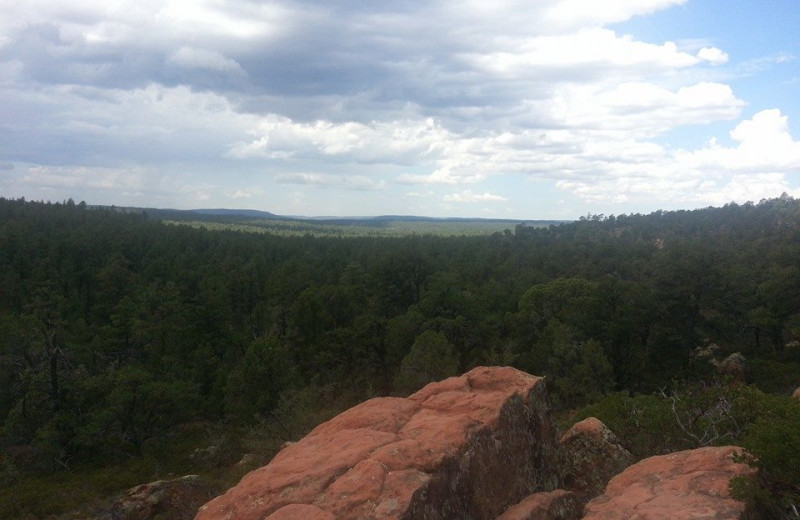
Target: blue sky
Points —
{"points": [[507, 109]]}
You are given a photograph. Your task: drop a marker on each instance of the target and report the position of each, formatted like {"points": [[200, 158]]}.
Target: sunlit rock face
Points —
{"points": [[476, 447], [545, 505], [685, 484], [466, 447]]}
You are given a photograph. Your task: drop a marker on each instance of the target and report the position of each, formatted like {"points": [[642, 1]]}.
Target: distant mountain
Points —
{"points": [[228, 215], [250, 213], [415, 218]]}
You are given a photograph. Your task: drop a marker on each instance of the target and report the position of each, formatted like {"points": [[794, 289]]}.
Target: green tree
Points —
{"points": [[256, 384], [578, 371], [431, 358]]}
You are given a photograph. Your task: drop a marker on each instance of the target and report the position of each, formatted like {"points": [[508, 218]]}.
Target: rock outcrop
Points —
{"points": [[465, 447], [552, 505], [176, 499], [685, 484], [478, 447], [592, 455], [733, 367]]}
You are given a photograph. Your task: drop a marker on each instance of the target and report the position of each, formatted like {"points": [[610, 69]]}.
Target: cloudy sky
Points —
{"points": [[503, 108]]}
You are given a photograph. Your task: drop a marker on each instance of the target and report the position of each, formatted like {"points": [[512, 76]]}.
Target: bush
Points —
{"points": [[695, 415]]}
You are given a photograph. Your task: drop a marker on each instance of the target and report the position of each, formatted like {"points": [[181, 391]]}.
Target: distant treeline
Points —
{"points": [[115, 327]]}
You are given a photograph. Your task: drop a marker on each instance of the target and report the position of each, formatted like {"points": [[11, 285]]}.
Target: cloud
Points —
{"points": [[756, 167], [579, 12], [370, 96], [245, 194], [764, 145], [191, 58], [103, 178], [468, 196], [395, 142], [585, 53], [352, 182], [713, 55]]}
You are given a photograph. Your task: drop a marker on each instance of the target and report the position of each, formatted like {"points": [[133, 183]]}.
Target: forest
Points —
{"points": [[129, 342]]}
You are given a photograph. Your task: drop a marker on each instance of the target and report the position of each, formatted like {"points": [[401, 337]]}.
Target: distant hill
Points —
{"points": [[235, 214], [251, 213]]}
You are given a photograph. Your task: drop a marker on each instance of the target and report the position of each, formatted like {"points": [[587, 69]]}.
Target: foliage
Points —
{"points": [[116, 329], [772, 441], [431, 358], [695, 415]]}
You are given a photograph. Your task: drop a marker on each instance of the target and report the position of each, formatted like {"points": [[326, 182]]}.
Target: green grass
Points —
{"points": [[356, 228], [58, 493]]}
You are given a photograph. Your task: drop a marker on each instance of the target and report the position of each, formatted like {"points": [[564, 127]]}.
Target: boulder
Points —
{"points": [[734, 367], [176, 499], [248, 461], [685, 484], [796, 393], [465, 447], [552, 505], [592, 455]]}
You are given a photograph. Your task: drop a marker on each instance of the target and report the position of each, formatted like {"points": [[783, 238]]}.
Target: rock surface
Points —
{"points": [[465, 447], [592, 455], [176, 499], [734, 367], [686, 484], [552, 505]]}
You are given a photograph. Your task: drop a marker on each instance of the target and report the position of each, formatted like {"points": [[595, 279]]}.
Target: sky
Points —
{"points": [[533, 109]]}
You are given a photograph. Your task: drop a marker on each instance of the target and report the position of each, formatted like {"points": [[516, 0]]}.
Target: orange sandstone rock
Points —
{"points": [[686, 484], [553, 505], [465, 447]]}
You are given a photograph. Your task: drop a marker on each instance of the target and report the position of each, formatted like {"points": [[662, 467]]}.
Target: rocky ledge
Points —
{"points": [[465, 447], [686, 484], [480, 446]]}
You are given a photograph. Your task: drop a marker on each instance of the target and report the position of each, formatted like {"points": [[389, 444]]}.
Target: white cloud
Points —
{"points": [[245, 194], [396, 142], [580, 12], [713, 55], [584, 54], [758, 166], [468, 196], [764, 146], [352, 182], [191, 58], [640, 107], [238, 20]]}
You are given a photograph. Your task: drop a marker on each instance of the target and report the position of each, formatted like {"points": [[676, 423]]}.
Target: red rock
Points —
{"points": [[465, 447], [176, 499], [293, 511], [592, 455], [686, 484], [553, 505]]}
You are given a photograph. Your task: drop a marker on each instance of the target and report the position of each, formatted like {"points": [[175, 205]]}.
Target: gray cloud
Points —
{"points": [[366, 95]]}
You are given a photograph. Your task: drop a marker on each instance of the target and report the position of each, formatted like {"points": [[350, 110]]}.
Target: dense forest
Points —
{"points": [[117, 329]]}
